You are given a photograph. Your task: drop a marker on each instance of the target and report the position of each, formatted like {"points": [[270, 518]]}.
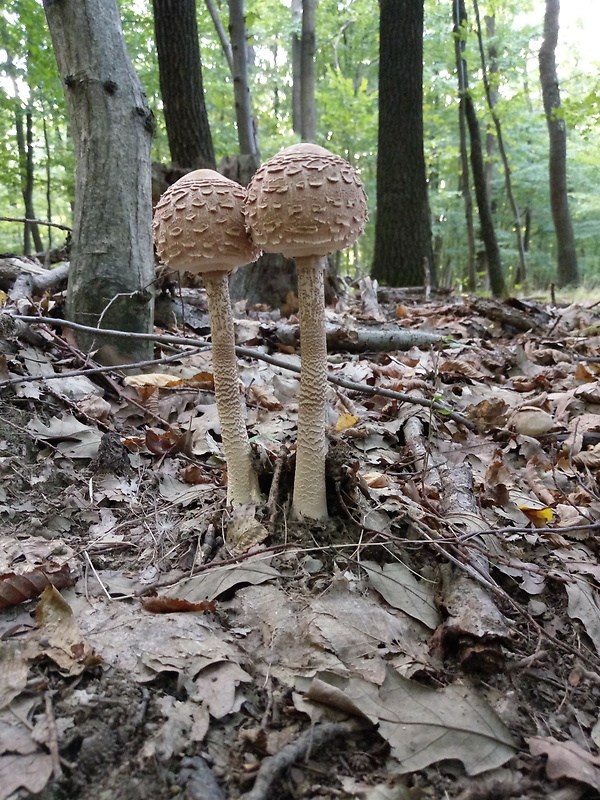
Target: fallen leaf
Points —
{"points": [[209, 585], [399, 587], [345, 421], [16, 588], [424, 726], [566, 760], [167, 605], [58, 637]]}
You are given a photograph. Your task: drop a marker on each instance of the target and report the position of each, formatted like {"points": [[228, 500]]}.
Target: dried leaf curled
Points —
{"points": [[15, 589], [167, 605]]}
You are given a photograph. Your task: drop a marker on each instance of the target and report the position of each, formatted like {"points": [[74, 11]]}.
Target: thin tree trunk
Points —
{"points": [[28, 188], [522, 271], [296, 64], [220, 29], [488, 233], [465, 177], [567, 272], [241, 90], [308, 109], [48, 183], [25, 153], [182, 92], [112, 262], [491, 145]]}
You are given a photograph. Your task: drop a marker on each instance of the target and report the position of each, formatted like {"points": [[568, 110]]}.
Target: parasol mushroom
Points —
{"points": [[199, 228], [306, 202]]}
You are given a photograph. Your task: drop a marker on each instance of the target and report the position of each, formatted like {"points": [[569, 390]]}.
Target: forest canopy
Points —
{"points": [[35, 141]]}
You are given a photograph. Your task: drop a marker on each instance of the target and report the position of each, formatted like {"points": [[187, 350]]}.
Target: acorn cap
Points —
{"points": [[199, 224], [305, 201]]}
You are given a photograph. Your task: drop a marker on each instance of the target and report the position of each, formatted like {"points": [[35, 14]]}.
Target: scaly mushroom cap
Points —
{"points": [[305, 201], [199, 224]]}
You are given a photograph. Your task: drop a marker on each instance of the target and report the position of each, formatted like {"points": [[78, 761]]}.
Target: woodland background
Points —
{"points": [[36, 153]]}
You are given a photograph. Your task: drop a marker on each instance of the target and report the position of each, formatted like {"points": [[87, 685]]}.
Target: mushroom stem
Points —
{"points": [[309, 482], [242, 483]]}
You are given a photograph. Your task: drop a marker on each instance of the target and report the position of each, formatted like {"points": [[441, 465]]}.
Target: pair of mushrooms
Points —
{"points": [[304, 202]]}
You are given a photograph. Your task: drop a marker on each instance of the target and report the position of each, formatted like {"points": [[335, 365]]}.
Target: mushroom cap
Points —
{"points": [[305, 201], [199, 224]]}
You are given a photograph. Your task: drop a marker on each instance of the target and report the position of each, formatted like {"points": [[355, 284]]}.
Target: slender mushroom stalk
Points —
{"points": [[306, 202], [199, 228]]}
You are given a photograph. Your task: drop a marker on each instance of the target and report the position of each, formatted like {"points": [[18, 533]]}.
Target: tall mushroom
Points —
{"points": [[199, 228], [306, 202]]}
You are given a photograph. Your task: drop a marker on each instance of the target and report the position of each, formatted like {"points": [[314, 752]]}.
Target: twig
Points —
{"points": [[248, 352], [93, 568], [36, 222], [98, 370], [312, 739]]}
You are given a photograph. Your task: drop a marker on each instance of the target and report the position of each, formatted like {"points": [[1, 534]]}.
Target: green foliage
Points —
{"points": [[347, 83]]}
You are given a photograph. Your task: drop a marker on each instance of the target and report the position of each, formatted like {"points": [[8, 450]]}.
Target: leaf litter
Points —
{"points": [[438, 634]]}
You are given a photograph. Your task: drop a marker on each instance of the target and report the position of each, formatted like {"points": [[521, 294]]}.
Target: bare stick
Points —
{"points": [[36, 222], [248, 352], [98, 370], [312, 739]]}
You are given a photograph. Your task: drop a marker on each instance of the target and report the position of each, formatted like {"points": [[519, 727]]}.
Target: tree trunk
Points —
{"points": [[567, 272], [308, 109], [225, 43], [465, 176], [48, 183], [241, 90], [25, 152], [182, 92], [491, 145], [296, 64], [112, 263], [490, 93], [403, 224], [488, 233]]}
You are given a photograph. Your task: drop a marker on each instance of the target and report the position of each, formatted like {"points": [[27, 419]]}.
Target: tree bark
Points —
{"points": [[112, 263], [465, 172], [296, 64], [182, 92], [241, 90], [308, 109], [488, 233], [490, 93], [403, 223], [567, 272], [225, 43]]}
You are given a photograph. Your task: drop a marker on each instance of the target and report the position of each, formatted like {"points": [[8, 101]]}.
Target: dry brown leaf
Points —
{"points": [[265, 398], [376, 480], [58, 635], [167, 605], [194, 474], [566, 760], [16, 589]]}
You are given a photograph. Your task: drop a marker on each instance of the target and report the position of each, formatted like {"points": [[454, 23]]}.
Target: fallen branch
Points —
{"points": [[248, 352], [76, 373], [359, 340], [312, 739], [36, 222]]}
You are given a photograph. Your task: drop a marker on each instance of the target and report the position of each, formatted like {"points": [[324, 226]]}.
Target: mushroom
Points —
{"points": [[199, 228], [306, 202]]}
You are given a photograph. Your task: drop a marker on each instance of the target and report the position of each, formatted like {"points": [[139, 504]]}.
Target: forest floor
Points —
{"points": [[438, 637]]}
